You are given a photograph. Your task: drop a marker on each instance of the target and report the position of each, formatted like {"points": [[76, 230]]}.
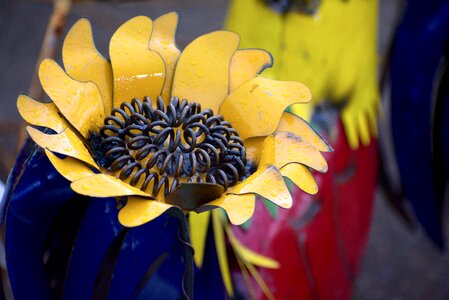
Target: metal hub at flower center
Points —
{"points": [[157, 148]]}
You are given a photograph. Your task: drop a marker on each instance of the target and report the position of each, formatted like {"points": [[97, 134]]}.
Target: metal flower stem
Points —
{"points": [[184, 237]]}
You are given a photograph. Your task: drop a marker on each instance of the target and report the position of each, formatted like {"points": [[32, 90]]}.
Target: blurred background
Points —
{"points": [[399, 262]]}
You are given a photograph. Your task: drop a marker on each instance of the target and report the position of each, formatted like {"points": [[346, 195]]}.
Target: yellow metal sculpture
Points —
{"points": [[163, 152], [332, 51]]}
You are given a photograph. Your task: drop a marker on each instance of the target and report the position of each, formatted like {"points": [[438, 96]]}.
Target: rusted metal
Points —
{"points": [[160, 146]]}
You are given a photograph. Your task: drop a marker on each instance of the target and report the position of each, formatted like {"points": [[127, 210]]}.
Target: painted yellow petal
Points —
{"points": [[372, 118], [83, 62], [351, 129], [301, 176], [72, 169], [79, 102], [137, 70], [365, 136], [303, 110], [163, 42], [239, 208], [263, 286], [202, 72], [40, 114], [247, 279], [66, 142], [266, 182], [239, 203], [295, 124], [139, 210], [248, 255], [221, 252], [253, 147], [103, 186], [198, 224], [285, 147], [246, 64], [255, 107]]}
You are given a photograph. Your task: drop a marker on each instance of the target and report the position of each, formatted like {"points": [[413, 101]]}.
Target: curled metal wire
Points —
{"points": [[158, 146]]}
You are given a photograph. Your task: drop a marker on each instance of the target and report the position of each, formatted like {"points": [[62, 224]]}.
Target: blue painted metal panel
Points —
{"points": [[416, 54], [60, 244]]}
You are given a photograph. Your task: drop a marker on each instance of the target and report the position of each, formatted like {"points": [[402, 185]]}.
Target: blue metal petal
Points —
{"points": [[416, 54], [444, 134], [96, 233], [35, 195], [60, 244], [208, 281], [152, 261]]}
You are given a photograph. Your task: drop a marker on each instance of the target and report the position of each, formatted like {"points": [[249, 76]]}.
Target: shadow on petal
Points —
{"points": [[192, 195], [40, 114]]}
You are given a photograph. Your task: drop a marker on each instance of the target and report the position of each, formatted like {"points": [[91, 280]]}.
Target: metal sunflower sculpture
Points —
{"points": [[196, 129], [162, 129]]}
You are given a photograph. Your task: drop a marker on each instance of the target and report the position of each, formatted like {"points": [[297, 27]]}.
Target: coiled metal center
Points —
{"points": [[156, 148]]}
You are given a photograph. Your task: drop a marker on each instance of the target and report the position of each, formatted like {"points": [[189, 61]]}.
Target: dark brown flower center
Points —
{"points": [[156, 148]]}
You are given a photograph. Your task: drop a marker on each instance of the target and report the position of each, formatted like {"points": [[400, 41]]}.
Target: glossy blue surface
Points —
{"points": [[416, 56], [96, 232], [37, 194], [444, 134], [63, 245], [208, 281], [153, 245]]}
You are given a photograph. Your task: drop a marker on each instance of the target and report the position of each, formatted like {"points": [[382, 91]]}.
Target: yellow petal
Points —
{"points": [[103, 186], [66, 142], [263, 286], [365, 136], [351, 128], [266, 182], [247, 279], [79, 102], [248, 255], [285, 147], [40, 114], [72, 169], [239, 203], [198, 224], [372, 118], [221, 252], [246, 64], [239, 208], [303, 110], [139, 210], [253, 147], [202, 72], [255, 107], [83, 62], [163, 42], [301, 176], [137, 70], [295, 124]]}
